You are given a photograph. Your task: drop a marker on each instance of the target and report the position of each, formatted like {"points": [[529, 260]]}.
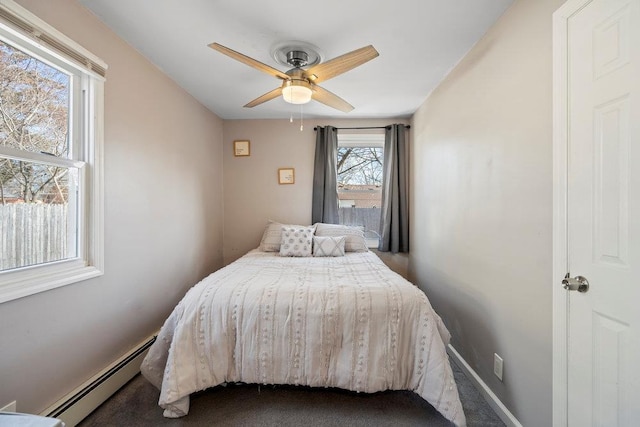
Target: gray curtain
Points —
{"points": [[394, 218], [324, 206]]}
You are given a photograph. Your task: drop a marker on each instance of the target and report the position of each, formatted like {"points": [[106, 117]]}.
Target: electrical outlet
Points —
{"points": [[497, 365], [11, 407]]}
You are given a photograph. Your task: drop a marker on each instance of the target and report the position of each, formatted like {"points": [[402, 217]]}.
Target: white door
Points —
{"points": [[603, 211]]}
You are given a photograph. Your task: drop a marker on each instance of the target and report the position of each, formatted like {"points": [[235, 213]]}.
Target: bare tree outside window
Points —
{"points": [[34, 116], [360, 166]]}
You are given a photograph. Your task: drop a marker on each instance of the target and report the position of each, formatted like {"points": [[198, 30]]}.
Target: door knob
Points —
{"points": [[578, 283]]}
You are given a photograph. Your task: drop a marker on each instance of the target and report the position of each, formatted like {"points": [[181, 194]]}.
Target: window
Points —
{"points": [[50, 157], [359, 166]]}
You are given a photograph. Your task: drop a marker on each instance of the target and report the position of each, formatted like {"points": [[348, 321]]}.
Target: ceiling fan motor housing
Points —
{"points": [[297, 58]]}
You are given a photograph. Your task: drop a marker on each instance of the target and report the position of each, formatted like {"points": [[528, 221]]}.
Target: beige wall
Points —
{"points": [[481, 206], [252, 195], [163, 225]]}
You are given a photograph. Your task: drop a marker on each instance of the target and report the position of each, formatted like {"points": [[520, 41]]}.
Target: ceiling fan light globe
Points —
{"points": [[296, 93]]}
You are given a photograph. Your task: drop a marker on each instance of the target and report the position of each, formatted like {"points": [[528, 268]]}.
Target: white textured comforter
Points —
{"points": [[346, 322]]}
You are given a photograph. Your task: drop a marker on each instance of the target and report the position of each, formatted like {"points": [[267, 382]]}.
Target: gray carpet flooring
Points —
{"points": [[136, 404]]}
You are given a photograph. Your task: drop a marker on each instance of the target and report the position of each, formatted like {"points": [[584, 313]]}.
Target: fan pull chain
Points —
{"points": [[301, 119], [291, 118]]}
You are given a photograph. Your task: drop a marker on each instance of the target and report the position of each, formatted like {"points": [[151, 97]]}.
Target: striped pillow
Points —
{"points": [[271, 237], [354, 235]]}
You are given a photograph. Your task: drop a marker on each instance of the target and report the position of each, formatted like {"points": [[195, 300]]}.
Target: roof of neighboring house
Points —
{"points": [[364, 196], [366, 192]]}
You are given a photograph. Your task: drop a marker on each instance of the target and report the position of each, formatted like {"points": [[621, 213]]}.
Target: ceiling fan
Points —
{"points": [[299, 85]]}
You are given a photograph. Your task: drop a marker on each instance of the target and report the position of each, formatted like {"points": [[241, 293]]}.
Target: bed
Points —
{"points": [[321, 321]]}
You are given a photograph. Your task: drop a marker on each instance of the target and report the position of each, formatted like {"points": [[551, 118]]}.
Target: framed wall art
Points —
{"points": [[286, 176], [242, 148]]}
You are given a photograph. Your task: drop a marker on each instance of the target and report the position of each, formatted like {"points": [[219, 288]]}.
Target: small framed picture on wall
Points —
{"points": [[286, 176], [241, 148]]}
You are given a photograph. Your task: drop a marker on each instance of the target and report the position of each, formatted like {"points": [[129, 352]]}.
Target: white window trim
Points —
{"points": [[21, 282], [361, 140]]}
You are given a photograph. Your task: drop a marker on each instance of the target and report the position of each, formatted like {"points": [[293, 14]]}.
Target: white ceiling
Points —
{"points": [[419, 41]]}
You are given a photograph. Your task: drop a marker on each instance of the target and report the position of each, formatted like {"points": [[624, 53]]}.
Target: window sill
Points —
{"points": [[372, 243], [27, 281]]}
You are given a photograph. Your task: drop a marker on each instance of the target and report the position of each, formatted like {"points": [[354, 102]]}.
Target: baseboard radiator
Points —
{"points": [[75, 406]]}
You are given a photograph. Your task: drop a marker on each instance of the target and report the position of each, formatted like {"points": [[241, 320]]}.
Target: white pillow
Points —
{"points": [[354, 236], [271, 237], [296, 240], [328, 246]]}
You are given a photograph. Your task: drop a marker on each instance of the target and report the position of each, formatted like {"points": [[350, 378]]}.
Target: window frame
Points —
{"points": [[35, 37], [364, 140]]}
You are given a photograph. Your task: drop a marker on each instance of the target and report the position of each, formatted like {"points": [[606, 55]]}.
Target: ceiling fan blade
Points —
{"points": [[330, 99], [341, 64], [266, 97], [249, 61]]}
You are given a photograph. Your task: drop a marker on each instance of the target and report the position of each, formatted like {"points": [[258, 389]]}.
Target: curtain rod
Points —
{"points": [[367, 127]]}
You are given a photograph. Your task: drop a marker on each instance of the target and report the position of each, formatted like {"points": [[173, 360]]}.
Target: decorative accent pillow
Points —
{"points": [[354, 235], [296, 240], [272, 236], [328, 246]]}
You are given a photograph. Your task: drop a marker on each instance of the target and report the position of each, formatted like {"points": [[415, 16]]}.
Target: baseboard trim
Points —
{"points": [[75, 406], [505, 415]]}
